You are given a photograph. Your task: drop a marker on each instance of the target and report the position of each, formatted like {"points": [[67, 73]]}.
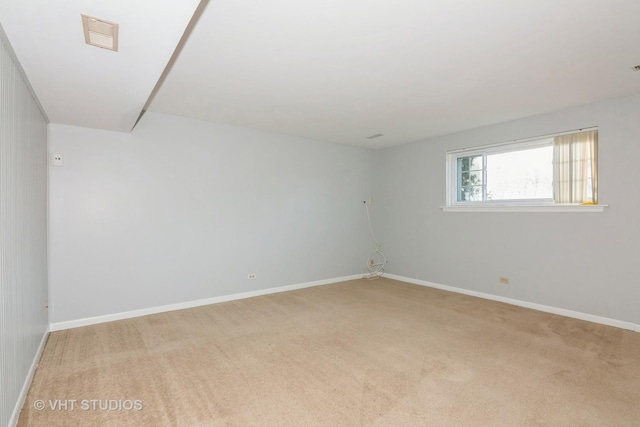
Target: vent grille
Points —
{"points": [[100, 33]]}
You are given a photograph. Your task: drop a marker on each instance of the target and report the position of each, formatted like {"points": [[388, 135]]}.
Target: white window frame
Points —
{"points": [[518, 205]]}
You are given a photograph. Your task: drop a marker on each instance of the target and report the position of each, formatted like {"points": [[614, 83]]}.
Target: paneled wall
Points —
{"points": [[23, 233]]}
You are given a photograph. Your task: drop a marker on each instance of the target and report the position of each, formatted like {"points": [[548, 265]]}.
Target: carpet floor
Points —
{"points": [[357, 353]]}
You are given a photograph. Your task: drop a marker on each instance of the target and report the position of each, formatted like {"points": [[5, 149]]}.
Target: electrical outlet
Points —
{"points": [[251, 276], [371, 200], [504, 280], [57, 160]]}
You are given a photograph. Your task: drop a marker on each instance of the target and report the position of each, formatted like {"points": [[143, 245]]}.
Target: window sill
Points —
{"points": [[525, 208]]}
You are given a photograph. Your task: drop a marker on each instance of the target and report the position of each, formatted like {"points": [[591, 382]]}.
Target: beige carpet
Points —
{"points": [[359, 353]]}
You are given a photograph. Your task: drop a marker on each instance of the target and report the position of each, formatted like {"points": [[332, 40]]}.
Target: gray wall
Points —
{"points": [[23, 233], [575, 261], [181, 210]]}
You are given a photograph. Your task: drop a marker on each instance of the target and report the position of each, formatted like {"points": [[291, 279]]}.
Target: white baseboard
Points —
{"points": [[540, 307], [13, 421], [58, 326]]}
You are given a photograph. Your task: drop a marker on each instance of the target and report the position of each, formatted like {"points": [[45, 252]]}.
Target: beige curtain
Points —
{"points": [[575, 167]]}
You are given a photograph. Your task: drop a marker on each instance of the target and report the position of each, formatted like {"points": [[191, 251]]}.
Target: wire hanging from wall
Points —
{"points": [[377, 260]]}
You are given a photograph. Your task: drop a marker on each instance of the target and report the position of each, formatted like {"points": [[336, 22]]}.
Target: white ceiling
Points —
{"points": [[332, 70], [87, 86]]}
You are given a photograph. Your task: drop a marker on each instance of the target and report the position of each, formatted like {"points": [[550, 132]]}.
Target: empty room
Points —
{"points": [[337, 213]]}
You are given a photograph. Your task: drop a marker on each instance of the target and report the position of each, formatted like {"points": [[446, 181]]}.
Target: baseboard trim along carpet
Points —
{"points": [[540, 307], [58, 326], [27, 382]]}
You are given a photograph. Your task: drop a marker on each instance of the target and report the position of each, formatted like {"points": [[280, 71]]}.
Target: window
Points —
{"points": [[558, 169]]}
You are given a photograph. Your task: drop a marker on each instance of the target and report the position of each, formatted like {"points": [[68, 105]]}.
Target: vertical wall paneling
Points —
{"points": [[23, 235]]}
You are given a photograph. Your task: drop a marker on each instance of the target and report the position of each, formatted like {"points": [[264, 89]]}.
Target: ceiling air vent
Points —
{"points": [[100, 33]]}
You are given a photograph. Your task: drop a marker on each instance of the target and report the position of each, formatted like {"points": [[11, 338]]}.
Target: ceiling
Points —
{"points": [[331, 70], [82, 85]]}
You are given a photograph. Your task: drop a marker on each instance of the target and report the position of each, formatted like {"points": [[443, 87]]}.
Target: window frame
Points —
{"points": [[506, 205]]}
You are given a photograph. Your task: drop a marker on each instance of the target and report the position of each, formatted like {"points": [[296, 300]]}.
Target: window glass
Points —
{"points": [[560, 168], [520, 175]]}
